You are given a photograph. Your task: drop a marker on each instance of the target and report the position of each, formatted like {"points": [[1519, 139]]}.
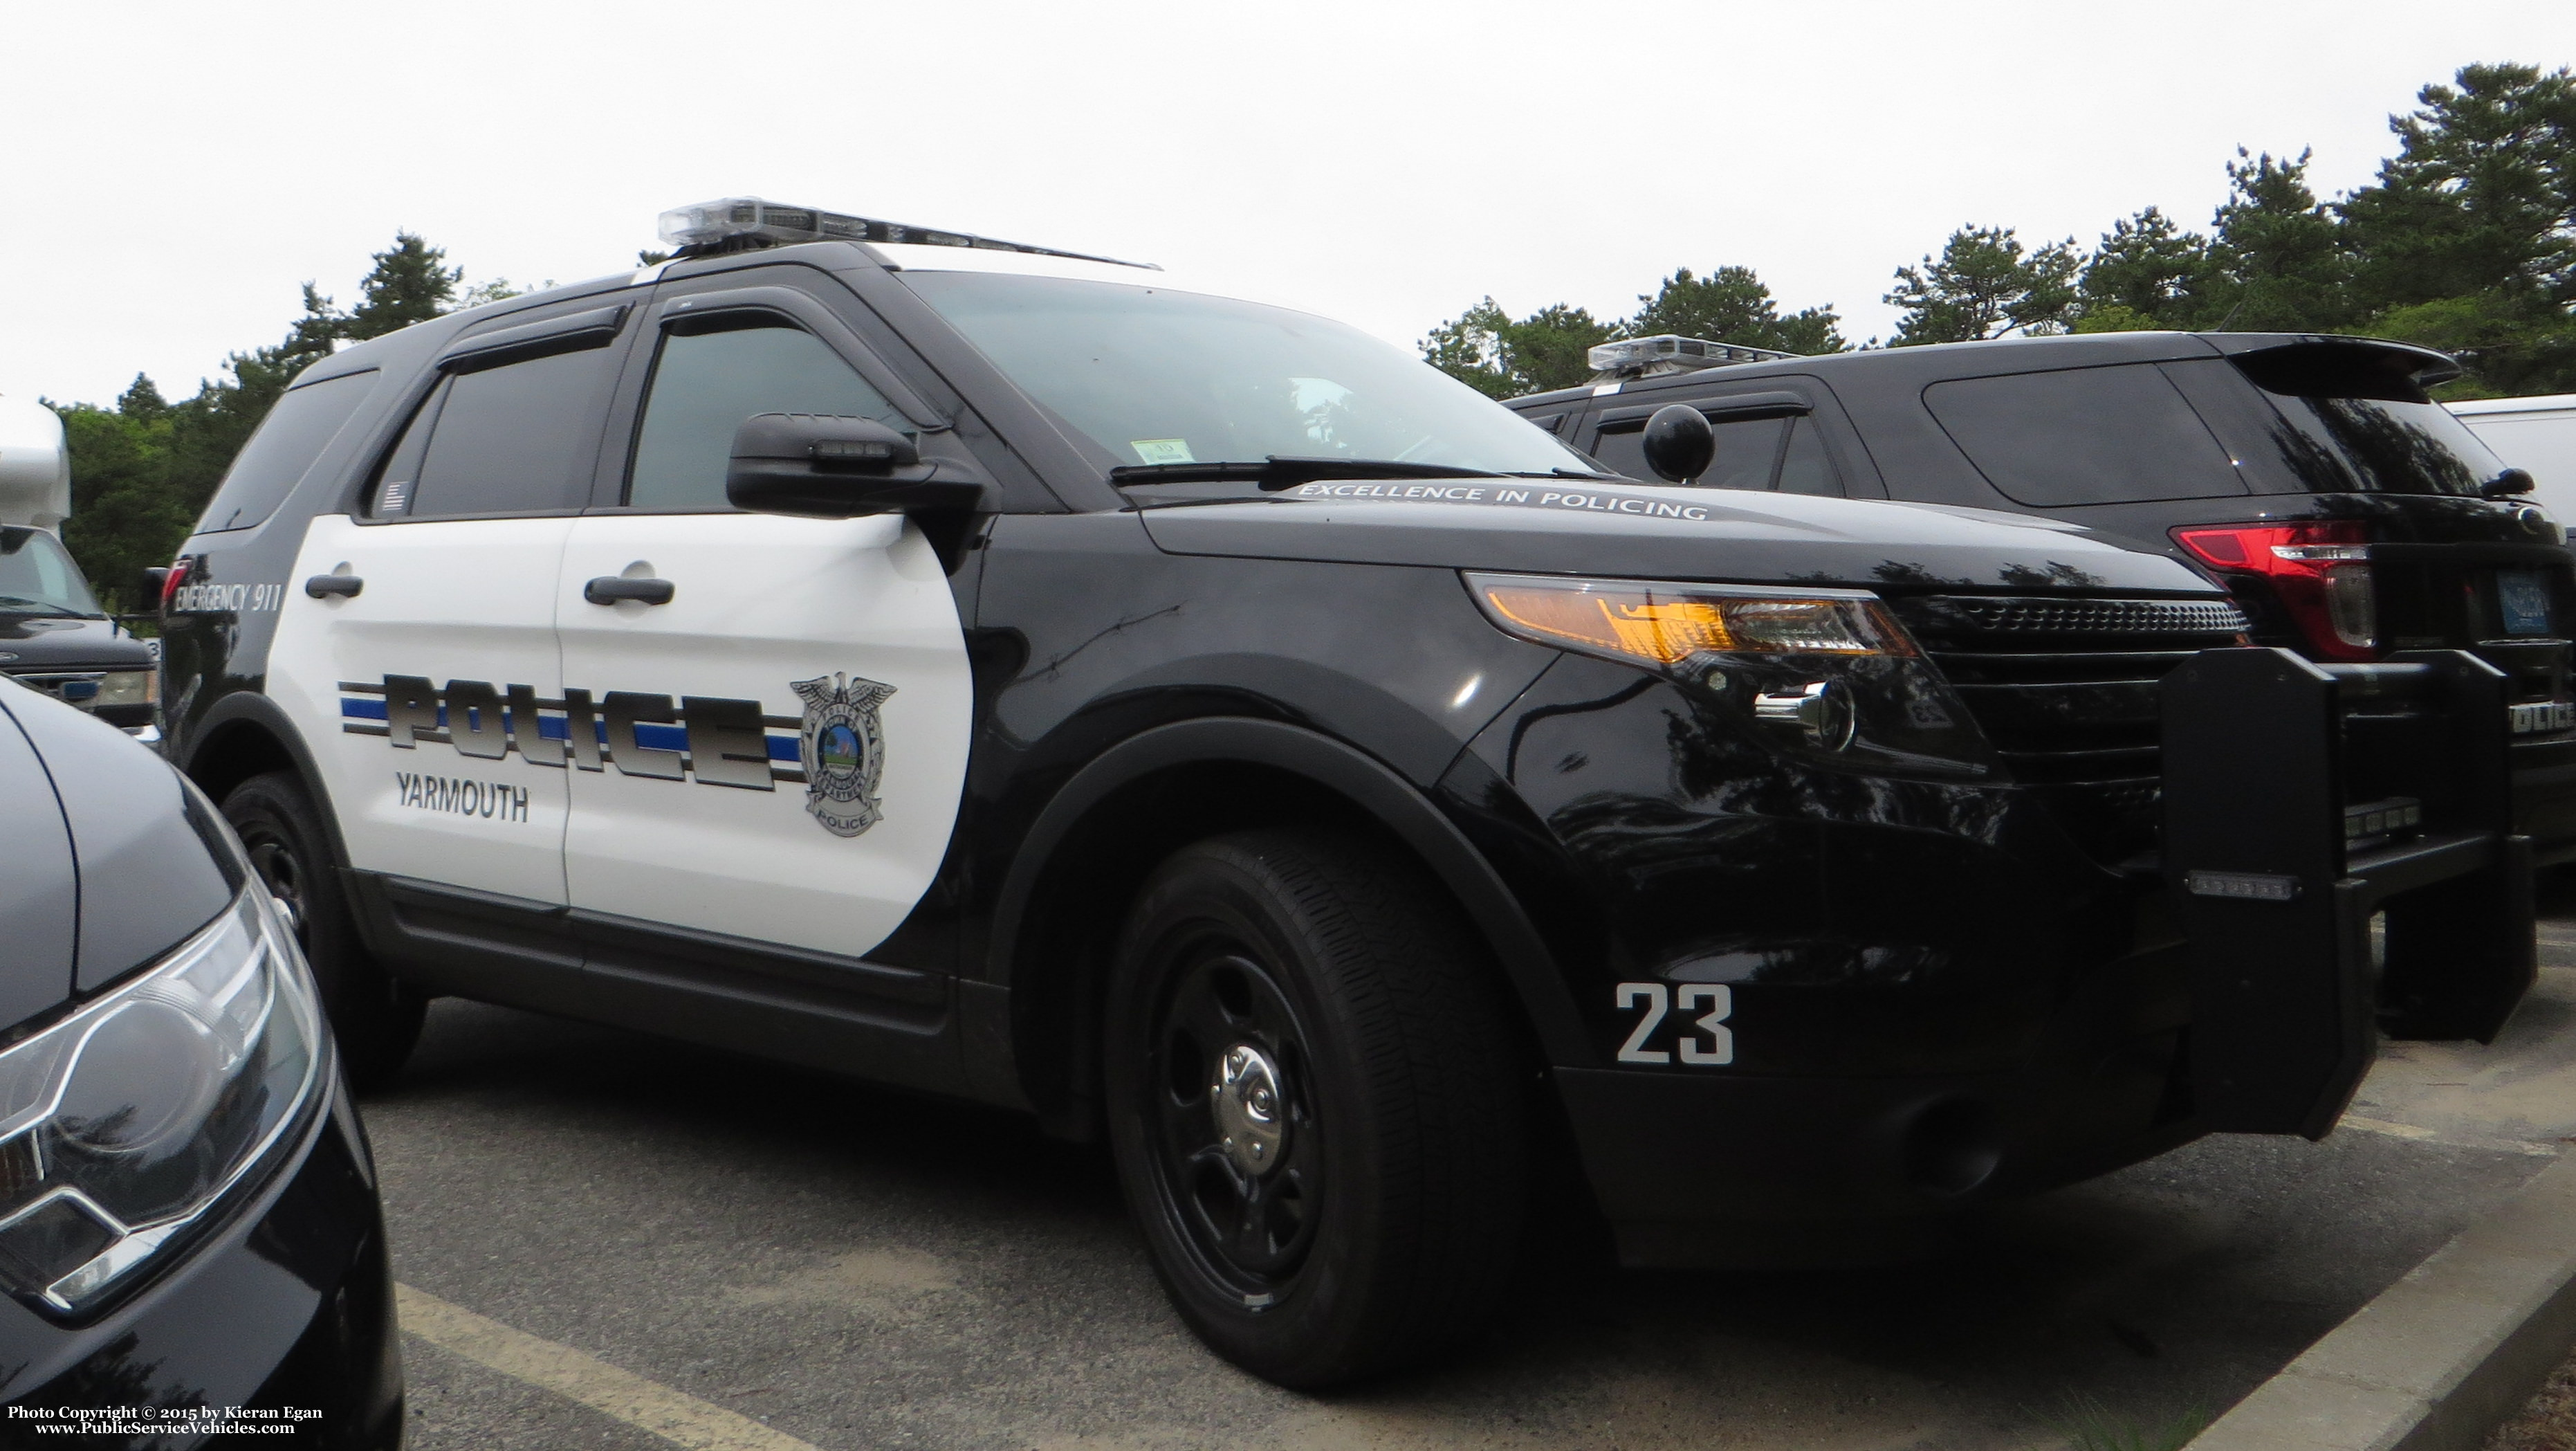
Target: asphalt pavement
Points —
{"points": [[851, 1268]]}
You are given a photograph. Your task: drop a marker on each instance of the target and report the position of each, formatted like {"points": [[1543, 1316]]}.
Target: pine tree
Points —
{"points": [[2467, 241], [2147, 273], [1984, 286], [409, 284], [1500, 357], [2279, 264], [1731, 305]]}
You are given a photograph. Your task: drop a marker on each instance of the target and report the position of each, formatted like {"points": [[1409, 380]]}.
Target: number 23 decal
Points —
{"points": [[1719, 999]]}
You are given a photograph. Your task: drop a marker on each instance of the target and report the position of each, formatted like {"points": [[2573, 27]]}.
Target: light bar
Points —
{"points": [[707, 225], [1671, 353]]}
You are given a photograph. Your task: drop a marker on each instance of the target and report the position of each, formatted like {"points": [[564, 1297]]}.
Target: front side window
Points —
{"points": [[37, 576], [1748, 455], [2115, 435], [1157, 376], [507, 440], [711, 378]]}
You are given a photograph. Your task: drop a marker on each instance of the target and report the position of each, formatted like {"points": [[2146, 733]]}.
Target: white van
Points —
{"points": [[2537, 435]]}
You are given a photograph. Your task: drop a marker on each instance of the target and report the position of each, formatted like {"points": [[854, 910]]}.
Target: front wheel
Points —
{"points": [[1316, 1105], [375, 1019]]}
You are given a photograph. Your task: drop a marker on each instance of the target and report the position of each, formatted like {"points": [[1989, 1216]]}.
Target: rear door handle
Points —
{"points": [[323, 586], [611, 589]]}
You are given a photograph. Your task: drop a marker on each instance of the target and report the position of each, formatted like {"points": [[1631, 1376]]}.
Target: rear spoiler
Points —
{"points": [[2301, 800]]}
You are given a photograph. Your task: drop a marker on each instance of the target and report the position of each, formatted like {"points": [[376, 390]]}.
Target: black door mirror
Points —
{"points": [[1679, 443], [827, 467], [2511, 481]]}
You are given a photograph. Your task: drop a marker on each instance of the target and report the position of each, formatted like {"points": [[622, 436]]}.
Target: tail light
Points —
{"points": [[2320, 572], [170, 582]]}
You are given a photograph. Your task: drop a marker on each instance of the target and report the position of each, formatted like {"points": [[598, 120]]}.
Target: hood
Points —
{"points": [[107, 861], [1641, 532], [40, 642]]}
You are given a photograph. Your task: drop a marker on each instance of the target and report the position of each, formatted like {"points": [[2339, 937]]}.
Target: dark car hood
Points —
{"points": [[107, 859], [38, 642], [1578, 527]]}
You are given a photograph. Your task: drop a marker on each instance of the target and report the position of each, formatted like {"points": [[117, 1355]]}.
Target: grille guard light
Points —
{"points": [[1662, 626], [2320, 572]]}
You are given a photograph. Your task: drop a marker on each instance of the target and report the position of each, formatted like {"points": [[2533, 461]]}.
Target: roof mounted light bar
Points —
{"points": [[739, 221], [1670, 353]]}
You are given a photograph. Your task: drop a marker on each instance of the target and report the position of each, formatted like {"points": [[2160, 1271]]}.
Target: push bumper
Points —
{"points": [[2303, 805]]}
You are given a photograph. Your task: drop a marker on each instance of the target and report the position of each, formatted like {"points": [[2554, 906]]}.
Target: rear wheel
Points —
{"points": [[1315, 1105], [375, 1019]]}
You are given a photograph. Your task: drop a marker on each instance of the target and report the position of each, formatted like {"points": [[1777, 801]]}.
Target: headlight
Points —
{"points": [[122, 1125], [1827, 673], [128, 687], [1664, 625]]}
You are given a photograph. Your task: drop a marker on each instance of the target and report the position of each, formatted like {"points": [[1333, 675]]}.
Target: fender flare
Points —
{"points": [[1377, 789], [256, 709]]}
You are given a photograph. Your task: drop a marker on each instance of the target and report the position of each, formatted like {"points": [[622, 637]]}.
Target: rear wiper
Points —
{"points": [[1281, 472]]}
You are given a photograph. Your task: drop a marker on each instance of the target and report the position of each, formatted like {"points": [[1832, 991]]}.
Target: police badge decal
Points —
{"points": [[844, 750]]}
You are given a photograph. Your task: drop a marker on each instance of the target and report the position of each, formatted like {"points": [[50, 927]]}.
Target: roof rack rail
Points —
{"points": [[731, 224], [1669, 353]]}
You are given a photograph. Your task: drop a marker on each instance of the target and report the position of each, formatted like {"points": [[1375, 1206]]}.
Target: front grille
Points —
{"points": [[2065, 688]]}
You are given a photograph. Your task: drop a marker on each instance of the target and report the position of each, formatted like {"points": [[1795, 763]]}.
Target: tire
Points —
{"points": [[1317, 994], [375, 1019]]}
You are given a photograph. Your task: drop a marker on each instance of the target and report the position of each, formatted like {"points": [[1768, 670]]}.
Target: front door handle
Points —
{"points": [[610, 589], [322, 586]]}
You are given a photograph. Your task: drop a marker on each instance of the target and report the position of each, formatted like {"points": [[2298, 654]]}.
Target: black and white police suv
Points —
{"points": [[1023, 676]]}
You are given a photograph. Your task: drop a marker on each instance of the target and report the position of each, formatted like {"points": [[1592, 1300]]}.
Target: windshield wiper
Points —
{"points": [[1282, 472], [1606, 478], [21, 605]]}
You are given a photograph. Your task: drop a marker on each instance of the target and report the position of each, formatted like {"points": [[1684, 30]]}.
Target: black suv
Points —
{"points": [[2349, 515], [1035, 679], [190, 1242]]}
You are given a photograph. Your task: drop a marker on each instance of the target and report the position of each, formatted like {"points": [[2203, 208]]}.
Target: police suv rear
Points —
{"points": [[1030, 678]]}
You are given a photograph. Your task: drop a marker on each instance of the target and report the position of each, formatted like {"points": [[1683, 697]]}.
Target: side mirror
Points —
{"points": [[825, 467], [1680, 444], [2511, 481], [155, 581]]}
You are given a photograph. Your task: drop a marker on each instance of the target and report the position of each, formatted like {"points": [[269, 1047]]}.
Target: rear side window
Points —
{"points": [[705, 384], [508, 440], [288, 441], [2360, 408], [2118, 435]]}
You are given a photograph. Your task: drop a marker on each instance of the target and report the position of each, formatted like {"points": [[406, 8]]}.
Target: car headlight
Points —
{"points": [[123, 1124], [1666, 625], [1827, 673], [128, 687]]}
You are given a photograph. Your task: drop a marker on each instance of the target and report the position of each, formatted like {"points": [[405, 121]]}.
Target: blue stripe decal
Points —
{"points": [[782, 747]]}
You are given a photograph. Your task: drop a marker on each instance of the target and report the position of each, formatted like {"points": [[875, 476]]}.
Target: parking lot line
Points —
{"points": [[648, 1405]]}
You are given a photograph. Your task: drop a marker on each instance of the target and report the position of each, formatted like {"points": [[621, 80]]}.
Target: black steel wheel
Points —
{"points": [[375, 1019], [1241, 1159], [1316, 1104]]}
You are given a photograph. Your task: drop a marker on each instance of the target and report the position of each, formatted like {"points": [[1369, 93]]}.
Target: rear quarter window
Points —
{"points": [[285, 445], [2116, 435]]}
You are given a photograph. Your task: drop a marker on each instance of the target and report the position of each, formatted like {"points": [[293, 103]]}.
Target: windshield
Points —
{"points": [[1161, 377], [38, 578]]}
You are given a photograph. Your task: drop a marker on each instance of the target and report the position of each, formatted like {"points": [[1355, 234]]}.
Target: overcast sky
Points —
{"points": [[174, 171]]}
